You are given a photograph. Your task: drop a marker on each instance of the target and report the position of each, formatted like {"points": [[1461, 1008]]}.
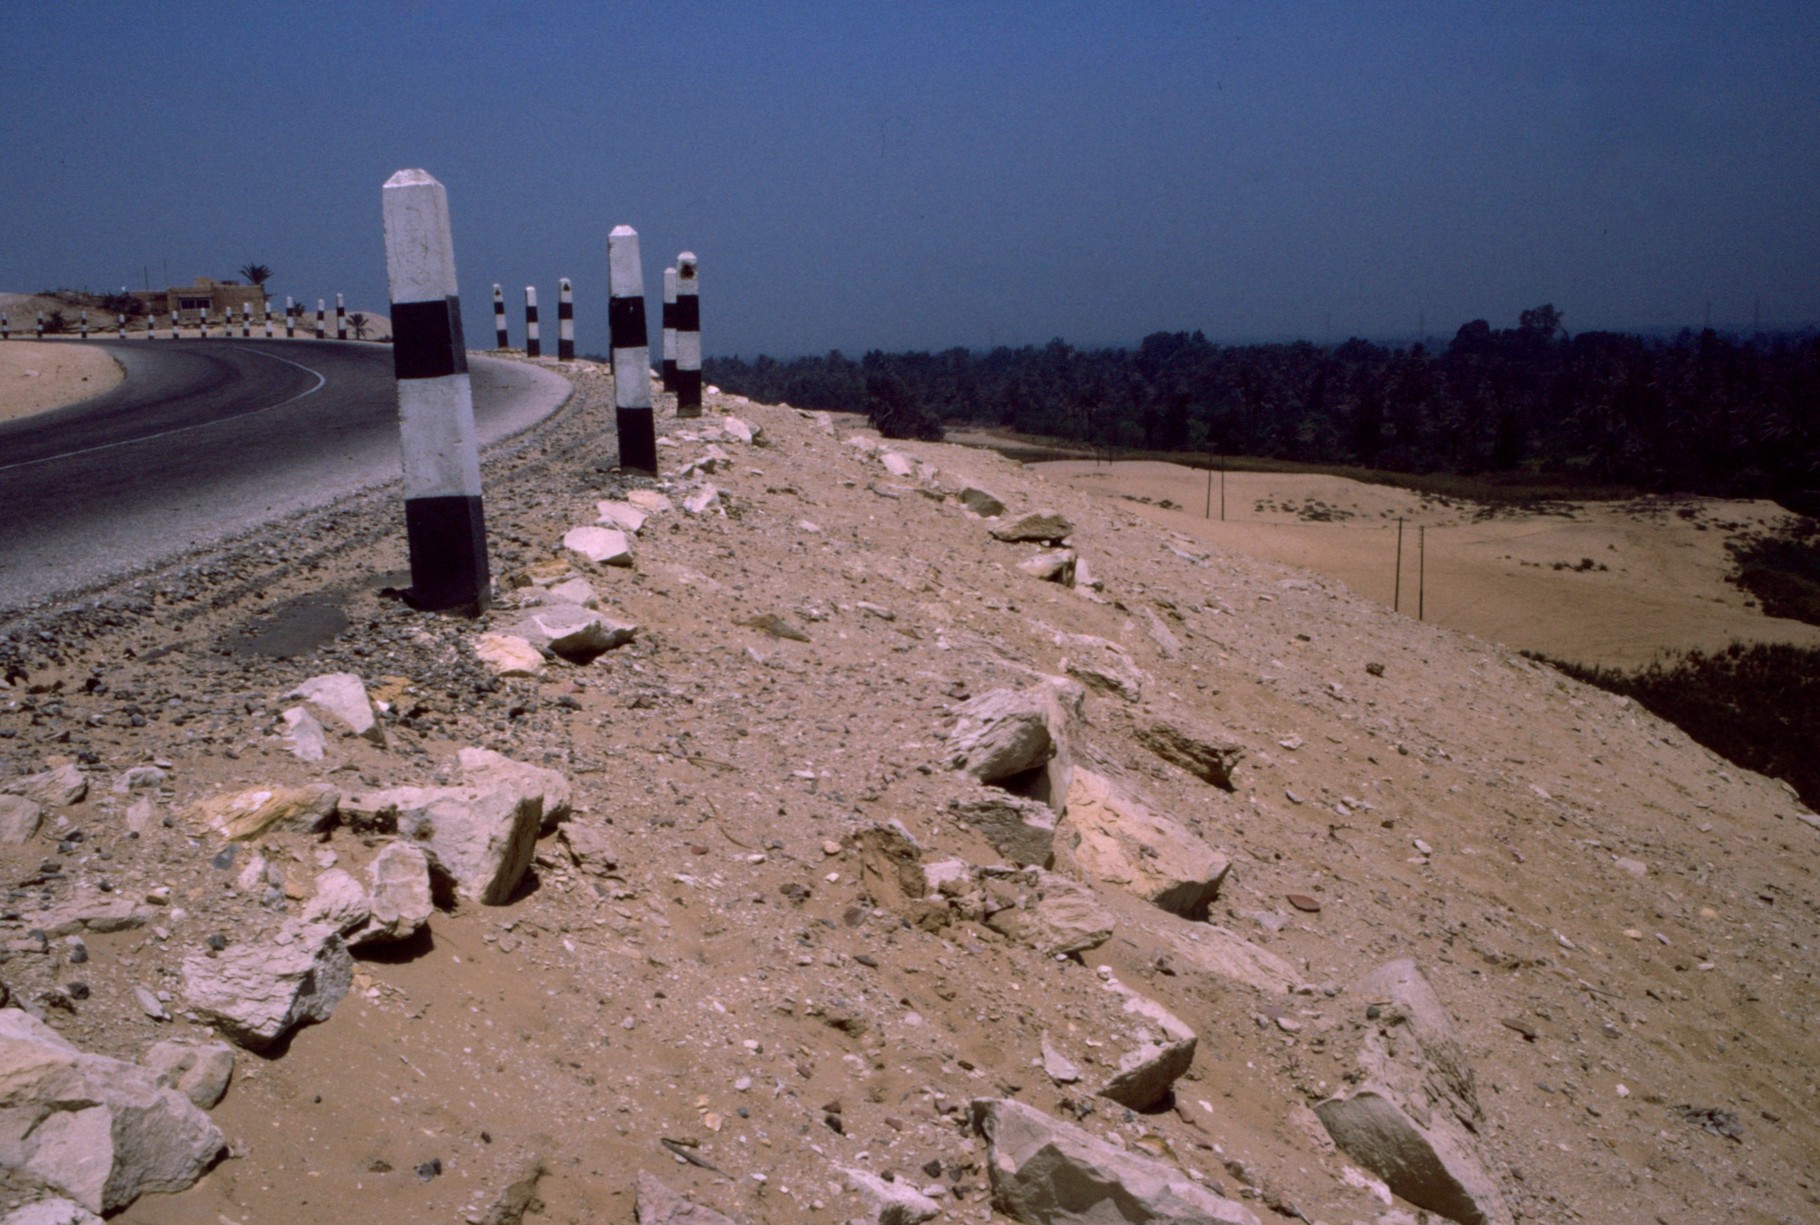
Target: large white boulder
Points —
{"points": [[340, 700], [1109, 835], [256, 993]]}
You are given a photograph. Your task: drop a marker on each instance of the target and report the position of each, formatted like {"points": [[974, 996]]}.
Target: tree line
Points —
{"points": [[1699, 412]]}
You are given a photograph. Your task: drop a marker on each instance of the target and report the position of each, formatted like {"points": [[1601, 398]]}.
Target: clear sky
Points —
{"points": [[918, 175]]}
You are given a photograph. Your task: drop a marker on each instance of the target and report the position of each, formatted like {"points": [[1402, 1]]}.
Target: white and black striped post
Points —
{"points": [[175, 334], [268, 319], [40, 325], [320, 306], [533, 344], [6, 327], [290, 318], [85, 325], [121, 319], [633, 419], [341, 318], [688, 336], [246, 320], [444, 523], [499, 317], [565, 320], [669, 325]]}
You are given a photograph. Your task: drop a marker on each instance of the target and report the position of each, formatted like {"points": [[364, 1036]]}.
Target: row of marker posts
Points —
{"points": [[203, 323], [445, 520]]}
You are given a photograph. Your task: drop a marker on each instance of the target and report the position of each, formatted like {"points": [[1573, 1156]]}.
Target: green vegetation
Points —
{"points": [[1701, 413], [1782, 571], [256, 274], [1758, 705]]}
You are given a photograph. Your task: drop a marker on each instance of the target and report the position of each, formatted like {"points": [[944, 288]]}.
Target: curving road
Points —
{"points": [[207, 439]]}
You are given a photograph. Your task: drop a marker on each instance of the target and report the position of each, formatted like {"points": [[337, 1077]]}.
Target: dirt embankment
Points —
{"points": [[37, 376], [782, 942]]}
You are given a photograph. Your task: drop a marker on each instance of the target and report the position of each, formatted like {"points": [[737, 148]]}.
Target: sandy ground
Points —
{"points": [[724, 954], [1592, 582], [36, 376]]}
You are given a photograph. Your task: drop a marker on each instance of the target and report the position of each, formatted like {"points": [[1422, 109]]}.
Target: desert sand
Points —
{"points": [[1609, 583], [37, 376]]}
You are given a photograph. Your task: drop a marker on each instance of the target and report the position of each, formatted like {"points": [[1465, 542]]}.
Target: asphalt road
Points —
{"points": [[208, 439]]}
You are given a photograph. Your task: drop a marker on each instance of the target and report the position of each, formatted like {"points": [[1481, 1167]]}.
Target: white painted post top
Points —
{"points": [[531, 294], [420, 255], [669, 284], [625, 273], [563, 284]]}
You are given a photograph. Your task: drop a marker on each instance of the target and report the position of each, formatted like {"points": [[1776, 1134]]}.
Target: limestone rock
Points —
{"points": [[101, 1131], [982, 503], [897, 464], [703, 500], [1048, 1172], [1056, 566], [1109, 836], [53, 1211], [483, 767], [572, 590], [1166, 642], [341, 700], [1435, 1066], [248, 814], [1040, 527], [589, 848], [1021, 830], [198, 1070], [19, 819], [339, 902], [659, 1205], [604, 546], [741, 431], [256, 993], [1057, 1066], [509, 655], [890, 1203], [1058, 917], [1219, 951], [1103, 665], [1165, 1050], [622, 516], [303, 735], [1207, 756], [1432, 1167], [399, 902], [577, 634], [90, 913], [517, 1196], [480, 838], [1013, 738], [650, 500], [57, 787]]}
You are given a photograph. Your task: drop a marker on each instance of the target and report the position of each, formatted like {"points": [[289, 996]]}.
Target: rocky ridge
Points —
{"points": [[838, 829]]}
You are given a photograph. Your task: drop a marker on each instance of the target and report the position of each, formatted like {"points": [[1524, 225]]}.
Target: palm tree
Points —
{"points": [[257, 274], [359, 321]]}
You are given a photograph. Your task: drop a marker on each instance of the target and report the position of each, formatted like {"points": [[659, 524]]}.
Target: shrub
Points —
{"points": [[1782, 571]]}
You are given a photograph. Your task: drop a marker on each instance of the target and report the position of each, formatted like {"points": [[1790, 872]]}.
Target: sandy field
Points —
{"points": [[1614, 583], [36, 376]]}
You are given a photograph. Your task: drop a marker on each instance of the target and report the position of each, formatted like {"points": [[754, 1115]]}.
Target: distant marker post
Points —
{"points": [[669, 324], [341, 318], [444, 523], [40, 325], [320, 308], [565, 321], [246, 320], [633, 419], [122, 321], [533, 340], [499, 318], [688, 336], [85, 325]]}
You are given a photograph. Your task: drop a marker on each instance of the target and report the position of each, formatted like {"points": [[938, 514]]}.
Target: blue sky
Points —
{"points": [[899, 175]]}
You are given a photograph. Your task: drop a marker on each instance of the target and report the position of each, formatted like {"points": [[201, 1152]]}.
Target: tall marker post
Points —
{"points": [[688, 336], [341, 318], [533, 342], [175, 334], [444, 523], [499, 318], [6, 327], [320, 305], [634, 421], [669, 323], [85, 325], [40, 325], [246, 320], [268, 320], [565, 321], [290, 318], [1396, 598], [121, 320]]}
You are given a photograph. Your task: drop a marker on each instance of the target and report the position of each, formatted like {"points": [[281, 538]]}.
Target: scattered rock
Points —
{"points": [[896, 464], [1021, 830], [890, 1203], [509, 655], [481, 839], [702, 501], [484, 767], [1430, 1167], [1057, 918], [1164, 1052], [19, 819], [589, 848], [622, 516], [1012, 737], [259, 991], [339, 902], [57, 787], [577, 634], [774, 625], [400, 902], [659, 1205], [1057, 1066], [1104, 665], [200, 1071], [1056, 566], [650, 501], [982, 503], [53, 1211], [517, 1196], [303, 735], [1211, 949], [1047, 1172]]}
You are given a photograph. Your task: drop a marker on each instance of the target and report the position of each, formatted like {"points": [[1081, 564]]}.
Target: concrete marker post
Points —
{"points": [[688, 336], [246, 320], [40, 325], [444, 522], [290, 318], [85, 325], [669, 327], [320, 306], [268, 320], [121, 319], [175, 334], [533, 341], [565, 321], [634, 420], [341, 318], [6, 327], [499, 317]]}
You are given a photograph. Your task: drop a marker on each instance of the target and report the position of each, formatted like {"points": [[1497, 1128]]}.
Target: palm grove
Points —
{"points": [[1697, 413]]}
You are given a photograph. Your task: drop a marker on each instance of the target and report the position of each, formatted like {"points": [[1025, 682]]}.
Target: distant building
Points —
{"points": [[215, 297]]}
